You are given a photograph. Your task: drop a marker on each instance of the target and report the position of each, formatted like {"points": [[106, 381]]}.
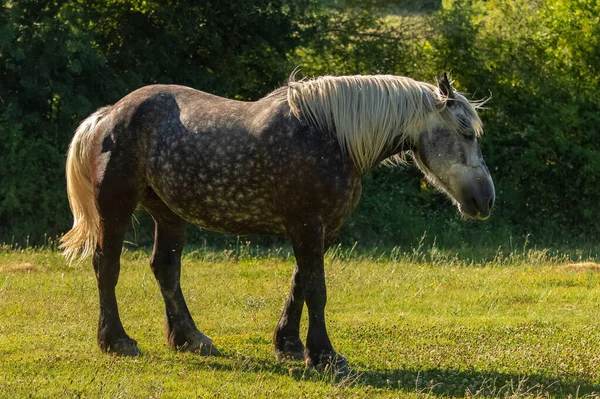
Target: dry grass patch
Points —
{"points": [[17, 268], [581, 267]]}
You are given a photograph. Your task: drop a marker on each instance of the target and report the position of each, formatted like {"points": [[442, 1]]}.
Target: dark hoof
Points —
{"points": [[330, 364], [290, 350], [195, 342], [203, 349], [123, 347]]}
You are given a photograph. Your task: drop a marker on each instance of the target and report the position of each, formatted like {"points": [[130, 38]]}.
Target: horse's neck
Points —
{"points": [[399, 145]]}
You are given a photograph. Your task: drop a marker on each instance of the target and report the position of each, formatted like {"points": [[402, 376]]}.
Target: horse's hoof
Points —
{"points": [[124, 347], [292, 350], [204, 349], [330, 363], [289, 355], [200, 344], [337, 366]]}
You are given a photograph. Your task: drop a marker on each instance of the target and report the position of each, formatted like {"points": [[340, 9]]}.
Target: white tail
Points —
{"points": [[80, 242]]}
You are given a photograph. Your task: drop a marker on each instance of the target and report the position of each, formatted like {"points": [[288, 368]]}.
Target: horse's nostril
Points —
{"points": [[475, 203], [482, 205]]}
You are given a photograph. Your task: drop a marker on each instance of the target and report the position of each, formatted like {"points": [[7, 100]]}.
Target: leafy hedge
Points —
{"points": [[59, 60]]}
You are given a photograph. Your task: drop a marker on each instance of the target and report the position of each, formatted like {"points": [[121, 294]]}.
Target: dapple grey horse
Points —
{"points": [[288, 165]]}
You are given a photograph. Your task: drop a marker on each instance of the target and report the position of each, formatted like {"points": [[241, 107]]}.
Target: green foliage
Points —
{"points": [[539, 59]]}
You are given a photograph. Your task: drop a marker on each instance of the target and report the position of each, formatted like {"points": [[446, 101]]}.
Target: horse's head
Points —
{"points": [[448, 153]]}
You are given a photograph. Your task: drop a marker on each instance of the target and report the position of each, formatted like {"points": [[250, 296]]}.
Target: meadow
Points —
{"points": [[420, 323]]}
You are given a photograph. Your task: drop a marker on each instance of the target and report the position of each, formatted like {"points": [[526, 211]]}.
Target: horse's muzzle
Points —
{"points": [[477, 201]]}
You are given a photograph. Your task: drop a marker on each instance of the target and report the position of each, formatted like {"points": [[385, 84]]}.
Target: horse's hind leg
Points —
{"points": [[115, 215], [169, 239]]}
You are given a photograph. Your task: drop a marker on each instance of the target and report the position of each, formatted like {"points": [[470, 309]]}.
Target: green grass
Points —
{"points": [[416, 324]]}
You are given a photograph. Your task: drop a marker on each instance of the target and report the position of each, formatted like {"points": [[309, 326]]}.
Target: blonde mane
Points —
{"points": [[369, 113]]}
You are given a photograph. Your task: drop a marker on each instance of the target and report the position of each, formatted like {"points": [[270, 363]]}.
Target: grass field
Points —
{"points": [[416, 324]]}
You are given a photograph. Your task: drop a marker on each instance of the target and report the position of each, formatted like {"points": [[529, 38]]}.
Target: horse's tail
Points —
{"points": [[80, 242]]}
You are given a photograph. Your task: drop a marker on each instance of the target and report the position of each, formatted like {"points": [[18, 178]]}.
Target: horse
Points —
{"points": [[289, 165]]}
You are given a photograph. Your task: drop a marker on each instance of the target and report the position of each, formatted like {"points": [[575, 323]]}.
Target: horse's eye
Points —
{"points": [[468, 136]]}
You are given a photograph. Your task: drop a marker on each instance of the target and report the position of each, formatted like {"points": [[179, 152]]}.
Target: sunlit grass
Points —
{"points": [[420, 322]]}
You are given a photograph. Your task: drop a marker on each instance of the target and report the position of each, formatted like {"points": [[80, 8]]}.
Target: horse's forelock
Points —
{"points": [[469, 112]]}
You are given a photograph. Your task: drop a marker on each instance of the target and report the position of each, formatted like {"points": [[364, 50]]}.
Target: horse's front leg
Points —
{"points": [[287, 334], [288, 344], [308, 242]]}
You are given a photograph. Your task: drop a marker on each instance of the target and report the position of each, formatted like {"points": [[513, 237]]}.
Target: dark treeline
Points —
{"points": [[60, 60]]}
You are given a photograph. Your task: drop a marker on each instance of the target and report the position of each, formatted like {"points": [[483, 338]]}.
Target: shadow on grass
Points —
{"points": [[487, 383], [435, 381]]}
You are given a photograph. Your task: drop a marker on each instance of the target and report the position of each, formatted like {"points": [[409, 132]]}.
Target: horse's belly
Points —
{"points": [[216, 196], [228, 211]]}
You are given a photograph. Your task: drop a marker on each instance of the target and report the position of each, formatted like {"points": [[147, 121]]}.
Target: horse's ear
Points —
{"points": [[445, 86]]}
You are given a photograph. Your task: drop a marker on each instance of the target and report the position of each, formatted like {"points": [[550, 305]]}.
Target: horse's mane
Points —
{"points": [[368, 113]]}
